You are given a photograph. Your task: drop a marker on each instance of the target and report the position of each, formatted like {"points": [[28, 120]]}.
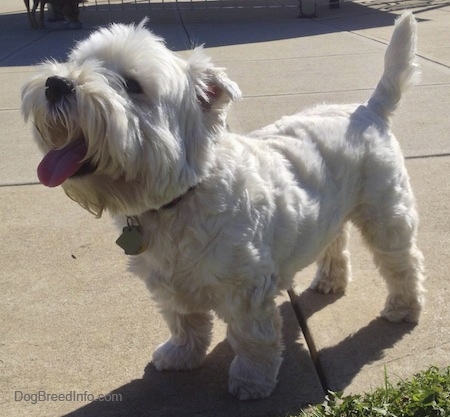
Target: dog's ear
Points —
{"points": [[213, 88]]}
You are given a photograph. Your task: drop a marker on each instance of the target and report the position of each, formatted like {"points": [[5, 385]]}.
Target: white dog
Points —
{"points": [[216, 221]]}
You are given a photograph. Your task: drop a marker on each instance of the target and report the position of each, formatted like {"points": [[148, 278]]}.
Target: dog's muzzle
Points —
{"points": [[56, 88]]}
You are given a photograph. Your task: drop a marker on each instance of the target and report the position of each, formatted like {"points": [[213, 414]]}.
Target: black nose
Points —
{"points": [[57, 88]]}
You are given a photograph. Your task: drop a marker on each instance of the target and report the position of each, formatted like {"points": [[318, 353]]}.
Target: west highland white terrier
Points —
{"points": [[216, 221]]}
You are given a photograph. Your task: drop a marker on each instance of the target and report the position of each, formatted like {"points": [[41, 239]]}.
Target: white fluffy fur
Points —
{"points": [[263, 206]]}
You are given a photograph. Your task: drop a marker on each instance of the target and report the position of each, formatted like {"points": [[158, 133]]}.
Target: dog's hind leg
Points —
{"points": [[334, 267], [254, 333], [190, 338], [389, 227], [403, 272]]}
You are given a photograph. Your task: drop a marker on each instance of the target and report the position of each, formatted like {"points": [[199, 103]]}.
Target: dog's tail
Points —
{"points": [[400, 69]]}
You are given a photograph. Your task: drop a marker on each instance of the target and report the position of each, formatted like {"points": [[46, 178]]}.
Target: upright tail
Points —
{"points": [[400, 69]]}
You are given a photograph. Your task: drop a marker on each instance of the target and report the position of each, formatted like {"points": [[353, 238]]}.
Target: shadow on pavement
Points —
{"points": [[340, 363], [203, 392], [215, 27]]}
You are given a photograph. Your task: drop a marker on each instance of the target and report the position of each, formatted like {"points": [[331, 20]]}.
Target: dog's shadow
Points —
{"points": [[338, 364], [203, 392]]}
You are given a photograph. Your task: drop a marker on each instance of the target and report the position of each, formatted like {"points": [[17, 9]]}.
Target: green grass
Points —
{"points": [[427, 394]]}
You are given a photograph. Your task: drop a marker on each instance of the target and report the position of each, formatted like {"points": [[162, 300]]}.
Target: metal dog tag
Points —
{"points": [[131, 240]]}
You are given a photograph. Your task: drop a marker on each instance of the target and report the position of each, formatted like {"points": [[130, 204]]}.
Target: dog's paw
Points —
{"points": [[170, 356], [332, 278], [249, 383], [245, 390], [327, 285], [396, 311]]}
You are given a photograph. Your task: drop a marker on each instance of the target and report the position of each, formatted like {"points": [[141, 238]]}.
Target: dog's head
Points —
{"points": [[125, 124]]}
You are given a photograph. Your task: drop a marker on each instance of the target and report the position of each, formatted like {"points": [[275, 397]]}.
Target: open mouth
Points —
{"points": [[62, 163]]}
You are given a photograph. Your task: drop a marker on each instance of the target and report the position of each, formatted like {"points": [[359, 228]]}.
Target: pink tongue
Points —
{"points": [[60, 164]]}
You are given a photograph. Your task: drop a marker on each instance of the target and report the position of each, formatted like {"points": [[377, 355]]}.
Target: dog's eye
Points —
{"points": [[132, 86]]}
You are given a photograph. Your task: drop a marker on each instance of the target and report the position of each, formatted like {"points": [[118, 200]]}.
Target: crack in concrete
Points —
{"points": [[309, 341]]}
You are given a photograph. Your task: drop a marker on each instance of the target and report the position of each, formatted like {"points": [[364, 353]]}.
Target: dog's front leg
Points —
{"points": [[190, 338], [255, 336]]}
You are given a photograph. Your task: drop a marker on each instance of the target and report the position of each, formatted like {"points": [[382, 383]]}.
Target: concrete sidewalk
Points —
{"points": [[74, 322]]}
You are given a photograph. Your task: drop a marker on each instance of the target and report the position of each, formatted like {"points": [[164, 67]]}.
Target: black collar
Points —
{"points": [[132, 240], [174, 202]]}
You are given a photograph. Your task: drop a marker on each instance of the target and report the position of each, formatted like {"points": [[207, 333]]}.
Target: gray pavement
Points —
{"points": [[74, 321]]}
